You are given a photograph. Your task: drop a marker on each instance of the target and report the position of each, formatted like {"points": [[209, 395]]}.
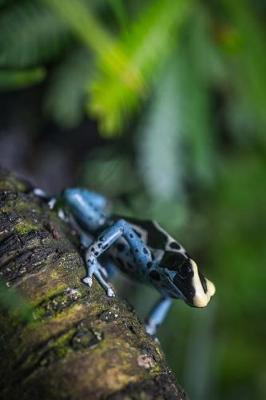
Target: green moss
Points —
{"points": [[24, 227], [9, 182], [50, 293], [6, 185], [61, 345]]}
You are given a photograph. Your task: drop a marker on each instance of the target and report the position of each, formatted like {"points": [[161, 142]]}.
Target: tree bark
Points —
{"points": [[81, 344]]}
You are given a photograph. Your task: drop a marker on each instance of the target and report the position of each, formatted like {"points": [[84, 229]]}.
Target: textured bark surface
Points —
{"points": [[81, 344]]}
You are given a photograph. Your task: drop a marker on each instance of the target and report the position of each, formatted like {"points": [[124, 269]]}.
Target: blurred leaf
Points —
{"points": [[79, 16], [127, 65], [181, 111], [110, 172], [30, 34], [17, 79], [244, 125], [193, 104], [119, 9], [238, 250], [249, 59], [207, 56], [13, 302], [171, 214], [198, 370], [127, 69], [159, 140], [66, 92]]}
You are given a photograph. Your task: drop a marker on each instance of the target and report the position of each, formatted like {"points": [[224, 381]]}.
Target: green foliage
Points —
{"points": [[109, 170], [127, 69], [12, 301], [30, 34], [238, 233], [80, 18], [20, 78], [120, 12], [66, 91], [162, 166], [128, 64], [249, 60]]}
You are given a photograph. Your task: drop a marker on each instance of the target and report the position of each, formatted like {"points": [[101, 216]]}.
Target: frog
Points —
{"points": [[140, 248]]}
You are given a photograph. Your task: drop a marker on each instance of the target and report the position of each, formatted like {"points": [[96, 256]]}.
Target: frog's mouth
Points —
{"points": [[204, 289]]}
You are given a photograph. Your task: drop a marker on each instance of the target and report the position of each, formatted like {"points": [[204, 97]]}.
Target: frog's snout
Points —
{"points": [[201, 297], [210, 287]]}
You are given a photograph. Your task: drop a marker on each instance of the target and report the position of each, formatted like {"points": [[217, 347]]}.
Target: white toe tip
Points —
{"points": [[87, 280], [110, 293]]}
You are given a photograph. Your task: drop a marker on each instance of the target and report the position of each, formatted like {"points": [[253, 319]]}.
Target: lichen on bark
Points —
{"points": [[80, 344]]}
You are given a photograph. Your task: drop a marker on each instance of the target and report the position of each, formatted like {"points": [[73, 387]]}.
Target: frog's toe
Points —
{"points": [[110, 292], [87, 280]]}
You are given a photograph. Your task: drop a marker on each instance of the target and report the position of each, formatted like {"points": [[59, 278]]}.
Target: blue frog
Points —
{"points": [[141, 249]]}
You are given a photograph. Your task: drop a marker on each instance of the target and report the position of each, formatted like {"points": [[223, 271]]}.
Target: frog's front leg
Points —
{"points": [[157, 315], [141, 254], [94, 268]]}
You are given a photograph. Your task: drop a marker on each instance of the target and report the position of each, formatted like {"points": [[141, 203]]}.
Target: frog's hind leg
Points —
{"points": [[157, 315], [90, 209], [41, 194]]}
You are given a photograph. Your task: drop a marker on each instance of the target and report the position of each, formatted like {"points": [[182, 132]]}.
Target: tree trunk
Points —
{"points": [[80, 344]]}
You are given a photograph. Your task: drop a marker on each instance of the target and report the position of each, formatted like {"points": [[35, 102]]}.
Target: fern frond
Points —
{"points": [[17, 79], [127, 69], [67, 89], [126, 65], [80, 18], [30, 34]]}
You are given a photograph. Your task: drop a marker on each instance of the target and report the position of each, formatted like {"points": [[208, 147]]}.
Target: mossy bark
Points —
{"points": [[81, 344]]}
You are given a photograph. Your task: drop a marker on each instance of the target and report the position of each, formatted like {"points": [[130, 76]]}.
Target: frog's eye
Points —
{"points": [[185, 270]]}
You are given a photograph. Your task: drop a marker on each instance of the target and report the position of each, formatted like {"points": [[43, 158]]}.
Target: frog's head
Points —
{"points": [[185, 281], [196, 289]]}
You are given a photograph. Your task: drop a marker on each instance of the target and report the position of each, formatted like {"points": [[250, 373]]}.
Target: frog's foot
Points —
{"points": [[151, 328], [51, 201], [157, 315], [101, 275]]}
